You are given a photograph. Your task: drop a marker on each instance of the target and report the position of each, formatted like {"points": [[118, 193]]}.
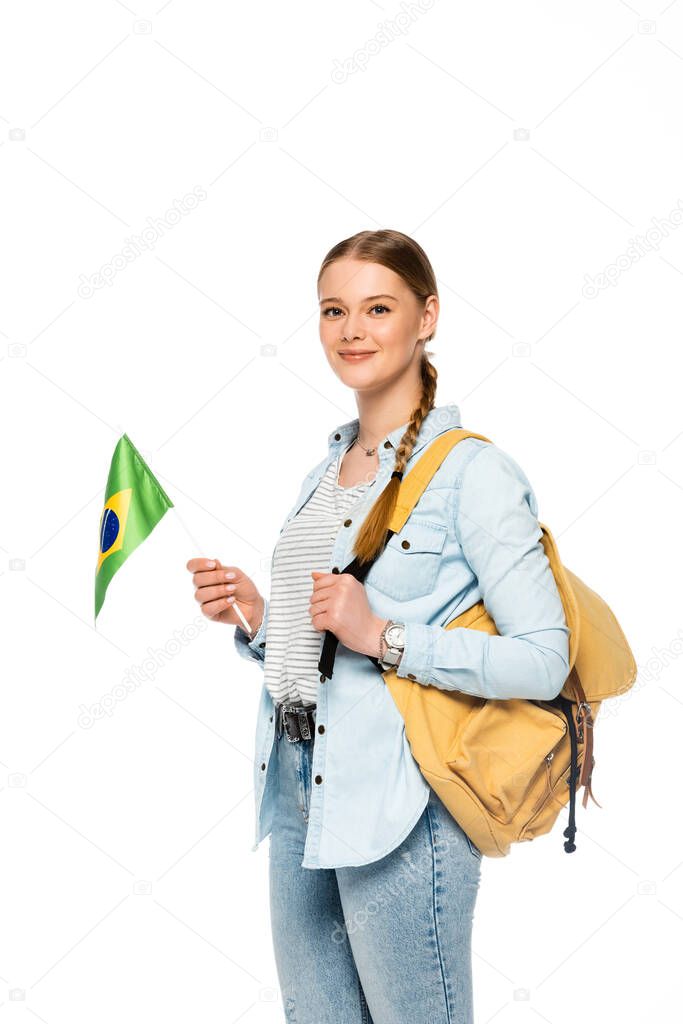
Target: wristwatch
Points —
{"points": [[393, 636]]}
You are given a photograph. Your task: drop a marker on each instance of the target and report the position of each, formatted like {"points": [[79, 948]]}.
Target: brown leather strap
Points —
{"points": [[584, 722], [578, 688], [586, 727], [586, 792]]}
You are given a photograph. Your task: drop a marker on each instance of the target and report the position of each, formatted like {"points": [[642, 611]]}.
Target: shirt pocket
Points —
{"points": [[409, 565]]}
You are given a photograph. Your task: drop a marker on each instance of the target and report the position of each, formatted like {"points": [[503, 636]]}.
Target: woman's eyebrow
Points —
{"points": [[335, 298]]}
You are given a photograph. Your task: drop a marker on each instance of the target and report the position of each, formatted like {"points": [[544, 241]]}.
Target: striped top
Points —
{"points": [[294, 644]]}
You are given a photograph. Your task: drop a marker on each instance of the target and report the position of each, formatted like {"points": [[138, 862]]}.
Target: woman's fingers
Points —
{"points": [[215, 593], [214, 608], [200, 564], [216, 584], [203, 576]]}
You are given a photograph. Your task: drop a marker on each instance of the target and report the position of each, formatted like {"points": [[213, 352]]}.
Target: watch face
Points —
{"points": [[394, 635]]}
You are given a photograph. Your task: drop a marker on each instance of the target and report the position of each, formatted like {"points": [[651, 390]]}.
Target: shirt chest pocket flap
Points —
{"points": [[409, 564]]}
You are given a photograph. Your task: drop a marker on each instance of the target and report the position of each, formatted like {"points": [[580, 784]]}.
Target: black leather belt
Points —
{"points": [[297, 722]]}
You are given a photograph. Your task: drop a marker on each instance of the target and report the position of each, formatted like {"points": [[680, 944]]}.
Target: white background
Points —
{"points": [[524, 146]]}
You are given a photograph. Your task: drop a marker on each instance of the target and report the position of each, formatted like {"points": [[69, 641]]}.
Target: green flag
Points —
{"points": [[134, 502]]}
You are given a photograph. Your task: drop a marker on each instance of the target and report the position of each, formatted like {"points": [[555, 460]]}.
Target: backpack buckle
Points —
{"points": [[583, 714]]}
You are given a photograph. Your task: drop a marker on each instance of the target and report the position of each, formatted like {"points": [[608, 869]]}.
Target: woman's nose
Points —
{"points": [[352, 330]]}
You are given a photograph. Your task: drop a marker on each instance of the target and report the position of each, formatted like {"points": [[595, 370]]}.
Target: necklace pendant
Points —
{"points": [[370, 451]]}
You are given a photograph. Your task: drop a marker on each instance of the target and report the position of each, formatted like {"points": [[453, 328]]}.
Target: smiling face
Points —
{"points": [[367, 308]]}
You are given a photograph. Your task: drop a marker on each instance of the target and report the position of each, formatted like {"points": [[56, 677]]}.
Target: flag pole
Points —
{"points": [[184, 525], [186, 528]]}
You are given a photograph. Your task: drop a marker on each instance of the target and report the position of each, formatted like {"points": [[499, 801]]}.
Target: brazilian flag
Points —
{"points": [[134, 502]]}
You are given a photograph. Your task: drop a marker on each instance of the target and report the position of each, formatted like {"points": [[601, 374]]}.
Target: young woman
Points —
{"points": [[373, 883]]}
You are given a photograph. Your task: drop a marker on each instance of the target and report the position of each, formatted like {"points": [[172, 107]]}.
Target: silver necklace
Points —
{"points": [[345, 497], [368, 451]]}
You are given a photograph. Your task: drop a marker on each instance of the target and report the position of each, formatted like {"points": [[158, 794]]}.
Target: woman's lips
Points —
{"points": [[352, 357]]}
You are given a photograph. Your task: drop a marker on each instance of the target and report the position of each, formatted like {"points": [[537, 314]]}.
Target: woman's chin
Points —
{"points": [[359, 380]]}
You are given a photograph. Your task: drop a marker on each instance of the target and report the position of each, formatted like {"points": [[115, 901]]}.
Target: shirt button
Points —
{"points": [[263, 767], [262, 645], [270, 719], [405, 543], [411, 676], [318, 779], [347, 522], [337, 437], [335, 568], [387, 444], [321, 728]]}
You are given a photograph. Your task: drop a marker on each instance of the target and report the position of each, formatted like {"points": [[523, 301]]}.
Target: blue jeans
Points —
{"points": [[380, 943]]}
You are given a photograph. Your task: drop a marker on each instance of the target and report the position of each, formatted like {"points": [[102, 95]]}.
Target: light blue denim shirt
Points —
{"points": [[474, 535]]}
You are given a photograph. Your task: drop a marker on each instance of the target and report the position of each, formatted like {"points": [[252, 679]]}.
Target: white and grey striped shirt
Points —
{"points": [[294, 644]]}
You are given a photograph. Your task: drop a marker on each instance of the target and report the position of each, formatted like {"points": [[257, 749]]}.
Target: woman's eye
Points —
{"points": [[336, 309]]}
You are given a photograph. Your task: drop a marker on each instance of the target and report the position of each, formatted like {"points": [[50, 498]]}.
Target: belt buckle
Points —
{"points": [[290, 713], [287, 717]]}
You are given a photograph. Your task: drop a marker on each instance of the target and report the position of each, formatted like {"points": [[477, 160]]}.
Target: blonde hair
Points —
{"points": [[406, 258]]}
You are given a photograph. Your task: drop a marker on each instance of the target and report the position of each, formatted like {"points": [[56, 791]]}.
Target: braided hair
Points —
{"points": [[406, 258]]}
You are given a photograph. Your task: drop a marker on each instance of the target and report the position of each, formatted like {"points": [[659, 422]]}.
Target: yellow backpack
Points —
{"points": [[505, 768]]}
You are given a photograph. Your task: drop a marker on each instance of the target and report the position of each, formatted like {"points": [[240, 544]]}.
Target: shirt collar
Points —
{"points": [[437, 421]]}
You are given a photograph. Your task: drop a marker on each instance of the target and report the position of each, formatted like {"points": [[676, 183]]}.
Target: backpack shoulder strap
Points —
{"points": [[415, 482]]}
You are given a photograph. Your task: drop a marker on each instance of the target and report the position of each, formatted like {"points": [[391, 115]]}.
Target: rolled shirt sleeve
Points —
{"points": [[255, 649], [497, 527]]}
